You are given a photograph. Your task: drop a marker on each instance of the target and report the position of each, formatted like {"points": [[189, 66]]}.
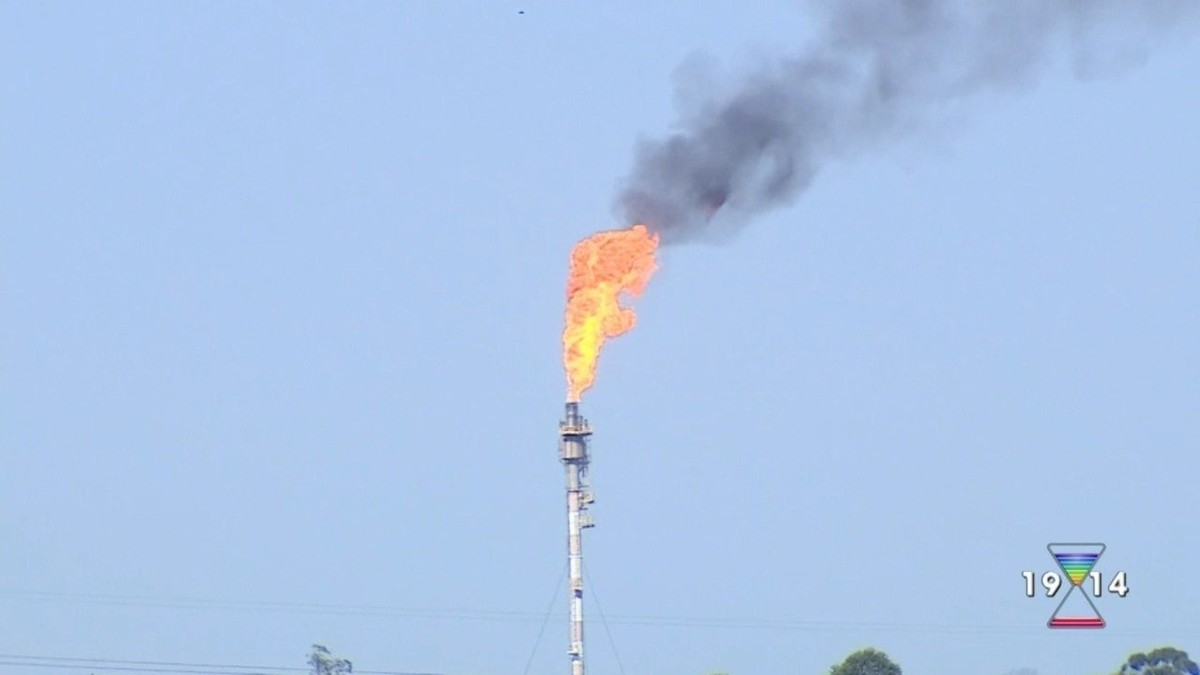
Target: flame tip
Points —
{"points": [[603, 267]]}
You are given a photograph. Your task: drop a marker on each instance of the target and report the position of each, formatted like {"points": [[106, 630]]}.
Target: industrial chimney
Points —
{"points": [[573, 434]]}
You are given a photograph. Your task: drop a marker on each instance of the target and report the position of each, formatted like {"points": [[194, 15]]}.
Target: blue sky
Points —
{"points": [[283, 288]]}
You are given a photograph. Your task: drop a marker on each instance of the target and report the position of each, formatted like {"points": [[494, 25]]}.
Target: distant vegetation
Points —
{"points": [[1161, 661], [866, 662], [871, 661], [324, 663]]}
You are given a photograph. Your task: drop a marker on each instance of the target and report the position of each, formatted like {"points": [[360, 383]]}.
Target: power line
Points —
{"points": [[266, 606], [739, 623], [179, 667], [127, 669], [77, 659]]}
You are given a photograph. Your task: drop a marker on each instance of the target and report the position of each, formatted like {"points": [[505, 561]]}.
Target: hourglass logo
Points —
{"points": [[1077, 563]]}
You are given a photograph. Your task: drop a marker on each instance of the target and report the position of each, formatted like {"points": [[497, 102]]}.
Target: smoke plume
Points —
{"points": [[876, 71]]}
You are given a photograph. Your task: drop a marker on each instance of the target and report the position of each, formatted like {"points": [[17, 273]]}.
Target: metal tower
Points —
{"points": [[573, 434]]}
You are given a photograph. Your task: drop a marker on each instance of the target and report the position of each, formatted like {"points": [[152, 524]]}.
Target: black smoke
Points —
{"points": [[878, 70]]}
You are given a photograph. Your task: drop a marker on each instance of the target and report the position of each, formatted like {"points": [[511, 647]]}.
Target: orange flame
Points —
{"points": [[603, 266]]}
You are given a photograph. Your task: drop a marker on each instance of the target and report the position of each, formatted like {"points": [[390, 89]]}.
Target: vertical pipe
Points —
{"points": [[575, 568], [573, 452]]}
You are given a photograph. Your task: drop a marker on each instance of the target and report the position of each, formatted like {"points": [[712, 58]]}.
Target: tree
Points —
{"points": [[1161, 661], [866, 662], [323, 663]]}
